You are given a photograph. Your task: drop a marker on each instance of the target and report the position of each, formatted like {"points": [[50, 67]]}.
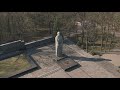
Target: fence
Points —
{"points": [[6, 37]]}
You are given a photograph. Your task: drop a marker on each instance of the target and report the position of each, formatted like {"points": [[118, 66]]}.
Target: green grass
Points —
{"points": [[13, 64]]}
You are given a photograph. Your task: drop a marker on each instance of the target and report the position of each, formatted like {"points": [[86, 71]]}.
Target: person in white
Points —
{"points": [[59, 44]]}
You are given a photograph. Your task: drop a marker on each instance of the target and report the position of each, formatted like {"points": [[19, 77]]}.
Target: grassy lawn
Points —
{"points": [[13, 65]]}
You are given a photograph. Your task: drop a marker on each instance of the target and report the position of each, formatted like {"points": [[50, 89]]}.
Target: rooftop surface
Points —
{"points": [[89, 67]]}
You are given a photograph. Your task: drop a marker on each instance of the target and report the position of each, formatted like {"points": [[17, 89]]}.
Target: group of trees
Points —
{"points": [[97, 28], [24, 25], [98, 31]]}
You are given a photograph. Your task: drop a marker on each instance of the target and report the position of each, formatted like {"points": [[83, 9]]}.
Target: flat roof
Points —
{"points": [[90, 67]]}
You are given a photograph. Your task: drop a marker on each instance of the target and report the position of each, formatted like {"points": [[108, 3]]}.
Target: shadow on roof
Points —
{"points": [[89, 59]]}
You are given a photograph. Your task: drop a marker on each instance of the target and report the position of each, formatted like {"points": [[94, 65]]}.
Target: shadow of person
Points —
{"points": [[88, 59]]}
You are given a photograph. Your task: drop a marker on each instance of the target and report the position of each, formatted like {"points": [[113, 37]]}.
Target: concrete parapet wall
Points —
{"points": [[41, 42], [12, 47], [11, 54], [16, 47]]}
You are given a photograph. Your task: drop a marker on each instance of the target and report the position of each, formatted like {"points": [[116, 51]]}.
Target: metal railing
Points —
{"points": [[6, 37]]}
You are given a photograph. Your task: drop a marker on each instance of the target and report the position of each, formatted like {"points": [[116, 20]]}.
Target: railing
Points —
{"points": [[6, 37]]}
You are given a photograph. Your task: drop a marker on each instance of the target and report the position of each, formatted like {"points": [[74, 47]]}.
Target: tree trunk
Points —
{"points": [[101, 40], [86, 41], [93, 45]]}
